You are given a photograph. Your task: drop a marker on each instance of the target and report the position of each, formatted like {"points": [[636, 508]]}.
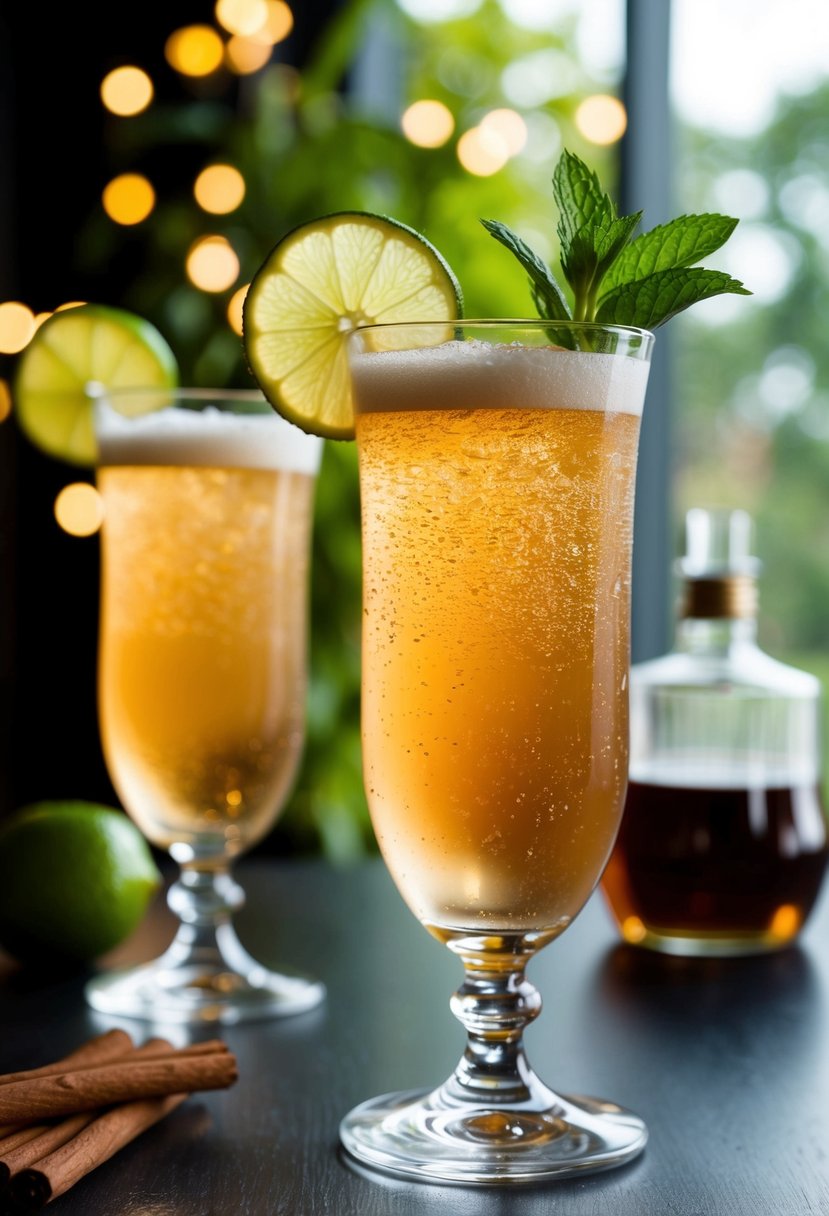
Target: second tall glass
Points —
{"points": [[208, 504]]}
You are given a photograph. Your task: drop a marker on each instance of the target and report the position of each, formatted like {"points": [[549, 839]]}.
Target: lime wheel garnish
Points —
{"points": [[75, 356], [321, 282]]}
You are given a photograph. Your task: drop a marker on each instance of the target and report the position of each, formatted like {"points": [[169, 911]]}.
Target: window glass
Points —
{"points": [[750, 84]]}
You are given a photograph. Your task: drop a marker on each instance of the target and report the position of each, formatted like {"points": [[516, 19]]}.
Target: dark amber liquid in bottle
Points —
{"points": [[716, 871]]}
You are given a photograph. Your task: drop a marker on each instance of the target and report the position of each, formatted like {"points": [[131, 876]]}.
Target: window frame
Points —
{"points": [[646, 183]]}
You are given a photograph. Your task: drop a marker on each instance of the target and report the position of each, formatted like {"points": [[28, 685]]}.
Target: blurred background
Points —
{"points": [[151, 161]]}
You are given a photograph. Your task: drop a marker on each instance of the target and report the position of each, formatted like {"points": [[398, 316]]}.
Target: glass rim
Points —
{"points": [[510, 322]]}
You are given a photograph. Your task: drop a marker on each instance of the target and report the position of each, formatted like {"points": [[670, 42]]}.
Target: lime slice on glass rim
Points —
{"points": [[73, 357], [322, 281]]}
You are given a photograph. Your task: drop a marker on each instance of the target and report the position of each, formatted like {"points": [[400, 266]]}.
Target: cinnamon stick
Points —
{"points": [[124, 1080], [84, 1059], [27, 1146], [54, 1174], [107, 1046], [14, 1139], [100, 1047], [155, 1048], [40, 1162], [48, 1138]]}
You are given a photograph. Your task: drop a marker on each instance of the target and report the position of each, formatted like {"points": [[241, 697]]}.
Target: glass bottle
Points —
{"points": [[723, 843]]}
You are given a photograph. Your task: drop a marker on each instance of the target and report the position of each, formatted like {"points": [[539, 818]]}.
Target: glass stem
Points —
{"points": [[494, 1004], [204, 899]]}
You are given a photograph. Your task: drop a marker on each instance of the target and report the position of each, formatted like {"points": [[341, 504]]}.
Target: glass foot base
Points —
{"points": [[416, 1135], [201, 995]]}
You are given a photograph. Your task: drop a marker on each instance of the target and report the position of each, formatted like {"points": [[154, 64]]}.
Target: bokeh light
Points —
{"points": [[243, 17], [234, 309], [509, 126], [219, 189], [750, 194], [128, 199], [540, 77], [785, 922], [278, 23], [427, 123], [17, 324], [602, 119], [126, 91], [633, 929], [79, 509], [482, 152], [246, 55], [212, 264], [5, 400], [194, 50]]}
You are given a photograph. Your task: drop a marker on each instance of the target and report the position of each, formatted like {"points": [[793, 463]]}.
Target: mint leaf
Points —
{"points": [[616, 278], [683, 242], [580, 199], [547, 295], [590, 252], [652, 301], [591, 235], [613, 240], [579, 261]]}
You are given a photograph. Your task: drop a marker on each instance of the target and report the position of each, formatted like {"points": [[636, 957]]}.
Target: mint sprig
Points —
{"points": [[614, 277]]}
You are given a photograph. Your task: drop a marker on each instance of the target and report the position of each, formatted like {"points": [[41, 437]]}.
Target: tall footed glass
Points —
{"points": [[497, 464], [208, 501]]}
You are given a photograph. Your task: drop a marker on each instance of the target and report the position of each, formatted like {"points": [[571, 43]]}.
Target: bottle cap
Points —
{"points": [[718, 567]]}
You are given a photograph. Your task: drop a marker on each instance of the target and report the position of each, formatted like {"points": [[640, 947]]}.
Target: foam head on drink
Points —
{"points": [[209, 437], [204, 587], [497, 487]]}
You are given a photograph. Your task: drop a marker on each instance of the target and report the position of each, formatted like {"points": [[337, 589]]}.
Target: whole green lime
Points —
{"points": [[75, 880]]}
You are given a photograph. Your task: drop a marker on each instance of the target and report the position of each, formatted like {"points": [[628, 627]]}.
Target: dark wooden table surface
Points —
{"points": [[727, 1061]]}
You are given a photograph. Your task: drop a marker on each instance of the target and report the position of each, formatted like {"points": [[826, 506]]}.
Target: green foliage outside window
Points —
{"points": [[753, 417], [752, 388]]}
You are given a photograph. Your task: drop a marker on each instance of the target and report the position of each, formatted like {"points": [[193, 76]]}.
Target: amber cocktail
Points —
{"points": [[208, 507], [497, 467]]}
